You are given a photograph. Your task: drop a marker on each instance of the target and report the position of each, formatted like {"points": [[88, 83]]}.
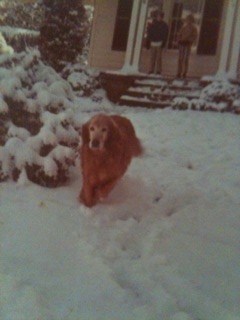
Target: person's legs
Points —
{"points": [[159, 60], [153, 58], [187, 51], [180, 60]]}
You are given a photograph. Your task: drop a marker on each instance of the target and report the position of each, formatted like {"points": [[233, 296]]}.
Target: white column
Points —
{"points": [[231, 7], [140, 31], [232, 72], [131, 35]]}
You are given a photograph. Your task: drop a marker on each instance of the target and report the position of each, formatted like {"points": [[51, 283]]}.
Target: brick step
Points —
{"points": [[143, 102], [146, 103], [161, 93], [182, 85], [154, 91]]}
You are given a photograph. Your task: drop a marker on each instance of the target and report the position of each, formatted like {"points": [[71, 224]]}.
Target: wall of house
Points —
{"points": [[101, 55]]}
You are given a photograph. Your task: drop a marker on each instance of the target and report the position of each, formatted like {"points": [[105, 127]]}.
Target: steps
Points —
{"points": [[158, 92], [152, 91]]}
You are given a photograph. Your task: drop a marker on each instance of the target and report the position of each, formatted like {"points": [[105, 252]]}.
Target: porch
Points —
{"points": [[125, 22]]}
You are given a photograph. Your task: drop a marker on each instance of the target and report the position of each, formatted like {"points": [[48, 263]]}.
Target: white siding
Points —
{"points": [[101, 56]]}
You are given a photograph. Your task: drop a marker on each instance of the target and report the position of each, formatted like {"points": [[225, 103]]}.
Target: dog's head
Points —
{"points": [[98, 132]]}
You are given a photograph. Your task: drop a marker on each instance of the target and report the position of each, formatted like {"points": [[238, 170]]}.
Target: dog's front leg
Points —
{"points": [[88, 195], [106, 188]]}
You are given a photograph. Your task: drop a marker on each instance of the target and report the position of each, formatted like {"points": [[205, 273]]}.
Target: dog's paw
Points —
{"points": [[87, 200]]}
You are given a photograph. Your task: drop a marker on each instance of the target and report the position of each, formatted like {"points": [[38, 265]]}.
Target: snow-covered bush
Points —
{"points": [[20, 23], [20, 39], [38, 134], [204, 105], [236, 106], [4, 47], [84, 81], [180, 103], [221, 96], [197, 104], [223, 92]]}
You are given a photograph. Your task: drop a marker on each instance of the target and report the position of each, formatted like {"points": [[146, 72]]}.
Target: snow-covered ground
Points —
{"points": [[163, 246]]}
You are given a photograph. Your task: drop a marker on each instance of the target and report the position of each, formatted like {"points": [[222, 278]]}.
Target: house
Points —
{"points": [[119, 30]]}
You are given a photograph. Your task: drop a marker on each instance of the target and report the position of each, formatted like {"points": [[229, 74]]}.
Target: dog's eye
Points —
{"points": [[91, 129], [104, 129]]}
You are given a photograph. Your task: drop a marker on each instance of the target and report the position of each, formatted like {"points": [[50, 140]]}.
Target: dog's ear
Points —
{"points": [[85, 133], [113, 134]]}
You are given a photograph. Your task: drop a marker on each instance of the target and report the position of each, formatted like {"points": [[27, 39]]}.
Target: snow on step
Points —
{"points": [[143, 101], [151, 82], [159, 92], [191, 84], [163, 91]]}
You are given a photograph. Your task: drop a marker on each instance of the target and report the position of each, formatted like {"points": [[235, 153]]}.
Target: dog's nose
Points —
{"points": [[95, 143]]}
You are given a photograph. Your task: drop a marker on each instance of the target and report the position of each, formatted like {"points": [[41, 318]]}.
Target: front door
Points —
{"points": [[207, 13]]}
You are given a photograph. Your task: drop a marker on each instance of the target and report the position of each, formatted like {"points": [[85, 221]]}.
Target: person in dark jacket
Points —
{"points": [[157, 34]]}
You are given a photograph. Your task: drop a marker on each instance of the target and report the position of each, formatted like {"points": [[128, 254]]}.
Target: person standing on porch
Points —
{"points": [[187, 36], [157, 34]]}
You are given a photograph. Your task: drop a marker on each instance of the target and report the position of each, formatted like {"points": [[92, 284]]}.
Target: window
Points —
{"points": [[122, 25], [210, 27]]}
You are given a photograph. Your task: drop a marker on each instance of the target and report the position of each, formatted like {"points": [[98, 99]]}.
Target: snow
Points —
{"points": [[47, 136], [21, 133], [163, 90], [3, 105], [149, 82], [164, 244], [50, 167], [221, 88], [236, 103], [77, 80], [138, 99], [20, 152], [9, 85], [14, 31]]}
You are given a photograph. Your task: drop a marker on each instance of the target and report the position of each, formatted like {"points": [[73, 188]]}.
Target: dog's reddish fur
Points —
{"points": [[103, 167]]}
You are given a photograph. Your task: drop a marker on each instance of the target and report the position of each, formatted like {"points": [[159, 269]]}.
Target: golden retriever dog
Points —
{"points": [[108, 145]]}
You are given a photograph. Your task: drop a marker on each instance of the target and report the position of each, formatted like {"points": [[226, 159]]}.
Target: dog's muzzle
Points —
{"points": [[95, 144]]}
